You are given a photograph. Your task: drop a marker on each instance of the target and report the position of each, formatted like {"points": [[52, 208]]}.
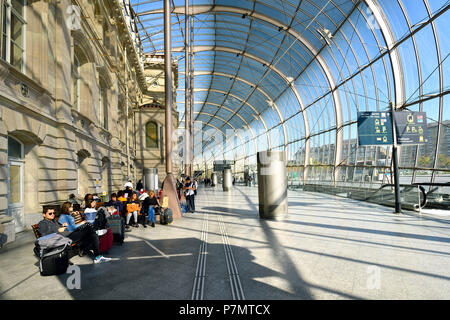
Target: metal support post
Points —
{"points": [[398, 204]]}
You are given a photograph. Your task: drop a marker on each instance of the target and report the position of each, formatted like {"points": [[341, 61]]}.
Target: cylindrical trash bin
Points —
{"points": [[214, 178], [227, 180], [151, 178], [272, 185]]}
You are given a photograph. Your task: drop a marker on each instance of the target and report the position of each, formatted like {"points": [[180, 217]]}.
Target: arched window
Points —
{"points": [[151, 134], [15, 148]]}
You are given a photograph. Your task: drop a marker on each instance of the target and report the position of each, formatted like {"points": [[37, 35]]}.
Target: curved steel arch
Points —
{"points": [[394, 54], [227, 75], [224, 107], [237, 98], [385, 29], [277, 71], [199, 9], [236, 131], [223, 151], [226, 139]]}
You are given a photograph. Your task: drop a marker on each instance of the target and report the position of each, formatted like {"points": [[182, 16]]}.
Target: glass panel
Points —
{"points": [[151, 135], [4, 41], [444, 144], [16, 42], [16, 56], [15, 184], [18, 6], [14, 148]]}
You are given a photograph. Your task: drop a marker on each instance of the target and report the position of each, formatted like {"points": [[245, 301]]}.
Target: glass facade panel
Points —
{"points": [[333, 61], [151, 135], [15, 184]]}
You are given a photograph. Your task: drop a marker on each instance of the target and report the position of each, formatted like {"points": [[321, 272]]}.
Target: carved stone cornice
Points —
{"points": [[4, 72]]}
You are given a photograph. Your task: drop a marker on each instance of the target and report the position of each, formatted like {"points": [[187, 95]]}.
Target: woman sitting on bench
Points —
{"points": [[90, 212], [132, 209], [153, 205]]}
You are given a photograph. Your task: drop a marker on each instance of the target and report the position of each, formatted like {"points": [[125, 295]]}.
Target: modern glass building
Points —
{"points": [[261, 102], [292, 75]]}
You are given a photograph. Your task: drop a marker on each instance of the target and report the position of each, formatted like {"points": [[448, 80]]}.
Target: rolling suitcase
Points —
{"points": [[106, 241], [169, 215], [166, 216], [54, 262], [117, 226]]}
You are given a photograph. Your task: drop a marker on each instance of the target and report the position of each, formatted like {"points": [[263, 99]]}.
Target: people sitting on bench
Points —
{"points": [[84, 233]]}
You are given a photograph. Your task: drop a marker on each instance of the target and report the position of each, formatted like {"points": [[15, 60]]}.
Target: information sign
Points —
{"points": [[411, 127], [374, 128]]}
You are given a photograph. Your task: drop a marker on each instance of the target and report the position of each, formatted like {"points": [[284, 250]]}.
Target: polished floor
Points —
{"points": [[327, 248]]}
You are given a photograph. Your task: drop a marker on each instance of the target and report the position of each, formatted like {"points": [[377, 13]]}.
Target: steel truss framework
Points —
{"points": [[294, 73]]}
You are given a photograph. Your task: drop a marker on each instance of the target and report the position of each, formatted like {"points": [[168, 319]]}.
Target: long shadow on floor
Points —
{"points": [[139, 272], [243, 213]]}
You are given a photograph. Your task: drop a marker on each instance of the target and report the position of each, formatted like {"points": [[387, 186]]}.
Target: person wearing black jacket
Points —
{"points": [[86, 234], [189, 191], [139, 186]]}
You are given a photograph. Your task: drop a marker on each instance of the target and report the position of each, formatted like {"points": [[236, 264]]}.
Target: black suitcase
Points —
{"points": [[54, 262], [117, 225], [166, 216]]}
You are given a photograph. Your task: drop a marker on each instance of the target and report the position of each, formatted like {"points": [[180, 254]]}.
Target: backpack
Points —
{"points": [[49, 242], [100, 221], [53, 253]]}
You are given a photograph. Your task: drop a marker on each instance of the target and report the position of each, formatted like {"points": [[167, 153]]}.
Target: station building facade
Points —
{"points": [[71, 78]]}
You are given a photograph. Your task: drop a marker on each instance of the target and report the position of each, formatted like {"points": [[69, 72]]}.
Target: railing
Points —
{"points": [[413, 196], [422, 201]]}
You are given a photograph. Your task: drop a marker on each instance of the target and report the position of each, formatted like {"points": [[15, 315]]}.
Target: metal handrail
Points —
{"points": [[422, 190]]}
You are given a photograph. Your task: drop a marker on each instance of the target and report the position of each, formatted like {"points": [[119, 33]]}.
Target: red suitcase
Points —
{"points": [[106, 241]]}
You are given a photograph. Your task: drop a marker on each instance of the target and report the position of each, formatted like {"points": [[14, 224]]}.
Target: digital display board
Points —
{"points": [[374, 128]]}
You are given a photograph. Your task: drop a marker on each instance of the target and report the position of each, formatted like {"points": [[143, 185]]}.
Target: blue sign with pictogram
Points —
{"points": [[374, 128]]}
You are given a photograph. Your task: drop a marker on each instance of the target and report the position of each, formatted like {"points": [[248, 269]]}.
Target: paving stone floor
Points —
{"points": [[326, 248]]}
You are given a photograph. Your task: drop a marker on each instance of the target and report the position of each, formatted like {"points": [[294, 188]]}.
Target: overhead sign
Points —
{"points": [[374, 128], [411, 127], [220, 165]]}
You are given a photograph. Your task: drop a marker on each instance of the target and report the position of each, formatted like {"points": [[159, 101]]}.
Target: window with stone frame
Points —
{"points": [[151, 134], [13, 32]]}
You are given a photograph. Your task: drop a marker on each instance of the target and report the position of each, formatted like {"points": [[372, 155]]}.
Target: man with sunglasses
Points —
{"points": [[87, 234]]}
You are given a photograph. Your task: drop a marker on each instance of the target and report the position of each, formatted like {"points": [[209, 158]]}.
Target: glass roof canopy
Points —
{"points": [[292, 74]]}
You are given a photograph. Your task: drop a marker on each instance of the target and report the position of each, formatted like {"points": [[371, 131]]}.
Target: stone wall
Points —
{"points": [[37, 105]]}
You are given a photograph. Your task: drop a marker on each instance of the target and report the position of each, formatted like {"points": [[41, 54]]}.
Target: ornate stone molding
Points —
{"points": [[4, 72]]}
